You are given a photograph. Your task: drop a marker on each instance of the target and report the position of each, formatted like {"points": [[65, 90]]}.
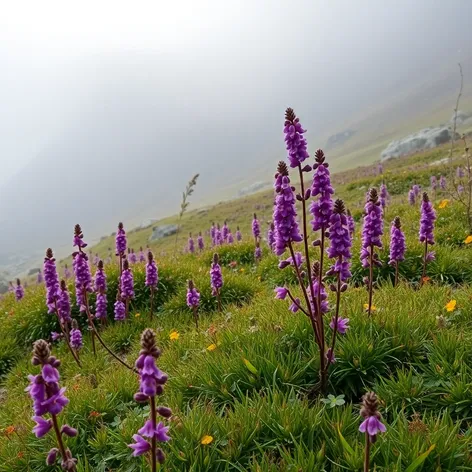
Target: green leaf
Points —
{"points": [[345, 444], [419, 460], [250, 367]]}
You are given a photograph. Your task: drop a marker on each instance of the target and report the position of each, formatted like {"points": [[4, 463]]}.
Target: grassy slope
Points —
{"points": [[414, 354]]}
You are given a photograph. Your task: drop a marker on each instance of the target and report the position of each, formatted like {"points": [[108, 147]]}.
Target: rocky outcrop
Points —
{"points": [[162, 231]]}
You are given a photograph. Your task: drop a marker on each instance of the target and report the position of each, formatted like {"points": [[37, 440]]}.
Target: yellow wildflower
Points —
{"points": [[443, 203], [451, 306], [468, 240], [174, 335], [211, 347], [372, 308], [137, 315], [206, 440]]}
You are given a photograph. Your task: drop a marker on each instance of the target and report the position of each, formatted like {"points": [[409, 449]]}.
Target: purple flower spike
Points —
{"points": [[127, 282], [416, 189], [383, 195], [224, 232], [281, 293], [193, 296], [369, 411], [442, 182], [373, 227], [63, 303], [411, 197], [120, 240], [142, 256], [100, 279], [434, 183], [39, 278], [284, 217], [460, 172], [120, 310], [340, 242], [67, 273], [294, 140], [397, 242], [19, 291], [351, 224], [48, 398], [101, 306], [76, 336], [428, 217], [239, 236], [218, 236], [51, 280], [213, 233], [151, 384], [256, 228], [191, 244], [321, 208], [258, 252], [230, 238], [152, 277], [271, 236], [200, 243], [133, 258], [216, 277]]}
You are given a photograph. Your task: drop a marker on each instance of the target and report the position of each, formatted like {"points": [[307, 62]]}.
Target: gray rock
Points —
{"points": [[33, 271], [339, 138], [253, 188], [427, 138], [147, 222], [159, 232]]}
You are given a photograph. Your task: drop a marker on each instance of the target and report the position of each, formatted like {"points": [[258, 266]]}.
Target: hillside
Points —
{"points": [[244, 388]]}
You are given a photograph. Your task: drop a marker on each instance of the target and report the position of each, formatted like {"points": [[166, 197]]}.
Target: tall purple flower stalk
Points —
{"points": [[49, 400], [151, 385], [230, 238], [76, 336], [133, 258], [371, 238], [239, 236], [127, 285], [119, 308], [340, 250], [200, 242], [351, 224], [256, 228], [213, 234], [152, 278], [121, 244], [218, 236], [19, 290], [224, 232], [460, 172], [416, 189], [142, 256], [83, 283], [295, 142], [411, 197], [397, 246], [271, 236], [191, 244], [426, 233], [383, 196], [67, 273], [257, 252], [55, 299], [216, 279], [442, 182], [371, 425], [100, 286], [286, 229], [434, 183], [39, 278], [193, 300]]}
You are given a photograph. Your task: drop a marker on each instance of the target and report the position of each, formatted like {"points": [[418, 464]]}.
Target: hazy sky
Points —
{"points": [[140, 95], [43, 44]]}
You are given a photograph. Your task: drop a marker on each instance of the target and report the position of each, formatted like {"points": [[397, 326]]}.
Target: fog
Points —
{"points": [[108, 108]]}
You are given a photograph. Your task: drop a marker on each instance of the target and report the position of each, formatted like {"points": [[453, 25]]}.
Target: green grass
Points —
{"points": [[251, 392]]}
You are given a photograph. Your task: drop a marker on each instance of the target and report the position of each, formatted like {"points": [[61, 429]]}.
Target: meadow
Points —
{"points": [[244, 388]]}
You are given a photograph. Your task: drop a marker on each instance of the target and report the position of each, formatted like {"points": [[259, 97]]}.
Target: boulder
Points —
{"points": [[339, 138], [253, 188], [162, 231], [427, 138]]}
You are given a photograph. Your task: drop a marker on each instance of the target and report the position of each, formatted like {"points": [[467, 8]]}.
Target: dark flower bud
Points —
{"points": [[316, 243], [332, 287], [283, 264], [343, 287], [159, 390], [164, 411], [160, 455], [162, 380], [307, 168], [298, 197], [52, 456], [141, 397], [68, 431], [307, 194]]}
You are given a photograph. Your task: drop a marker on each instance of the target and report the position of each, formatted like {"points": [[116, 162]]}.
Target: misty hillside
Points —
{"points": [[116, 135]]}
